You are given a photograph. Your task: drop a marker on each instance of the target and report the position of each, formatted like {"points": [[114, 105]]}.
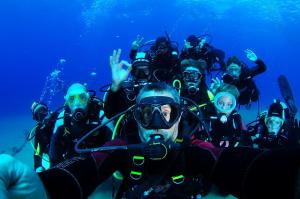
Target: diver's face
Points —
{"points": [[162, 48], [225, 103], [168, 134], [192, 75], [234, 70], [141, 73], [77, 99], [274, 124]]}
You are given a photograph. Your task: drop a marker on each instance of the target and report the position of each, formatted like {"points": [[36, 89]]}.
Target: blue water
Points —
{"points": [[35, 34]]}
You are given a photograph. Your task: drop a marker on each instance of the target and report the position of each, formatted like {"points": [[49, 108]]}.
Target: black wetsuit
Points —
{"points": [[164, 66], [201, 98], [232, 131], [117, 102], [43, 133], [282, 139], [208, 53], [66, 136], [193, 164], [245, 84], [243, 172], [264, 141]]}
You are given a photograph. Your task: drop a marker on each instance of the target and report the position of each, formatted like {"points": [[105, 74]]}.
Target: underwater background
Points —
{"points": [[37, 35]]}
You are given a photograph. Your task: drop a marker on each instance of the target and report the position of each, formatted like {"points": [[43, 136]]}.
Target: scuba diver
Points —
{"points": [[277, 127], [157, 114], [163, 57], [197, 48], [238, 74], [123, 90], [42, 133], [159, 167], [226, 125], [271, 131], [45, 119], [122, 94], [193, 80], [193, 89], [126, 83], [81, 114]]}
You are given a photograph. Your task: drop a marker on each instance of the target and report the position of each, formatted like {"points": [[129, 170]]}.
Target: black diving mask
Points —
{"points": [[141, 70], [159, 112], [162, 49], [39, 111], [192, 76]]}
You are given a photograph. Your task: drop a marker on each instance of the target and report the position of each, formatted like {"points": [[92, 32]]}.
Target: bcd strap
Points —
{"points": [[138, 160], [179, 140], [179, 179], [137, 164], [136, 175]]}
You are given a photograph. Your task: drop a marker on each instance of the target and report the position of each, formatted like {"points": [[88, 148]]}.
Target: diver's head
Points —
{"points": [[77, 99], [234, 67], [192, 73], [158, 111], [162, 45], [193, 40], [225, 99], [39, 111], [275, 118], [141, 70]]}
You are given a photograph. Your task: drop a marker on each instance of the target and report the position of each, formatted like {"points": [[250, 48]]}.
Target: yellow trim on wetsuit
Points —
{"points": [[116, 126], [210, 95], [179, 85]]}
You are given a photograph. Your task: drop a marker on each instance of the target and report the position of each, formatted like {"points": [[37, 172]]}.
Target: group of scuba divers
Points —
{"points": [[164, 133]]}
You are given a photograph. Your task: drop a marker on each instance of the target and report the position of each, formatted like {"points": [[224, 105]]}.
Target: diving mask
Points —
{"points": [[192, 75], [234, 70], [39, 111], [274, 124], [192, 78], [224, 102], [159, 112], [77, 99], [78, 104], [141, 69]]}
